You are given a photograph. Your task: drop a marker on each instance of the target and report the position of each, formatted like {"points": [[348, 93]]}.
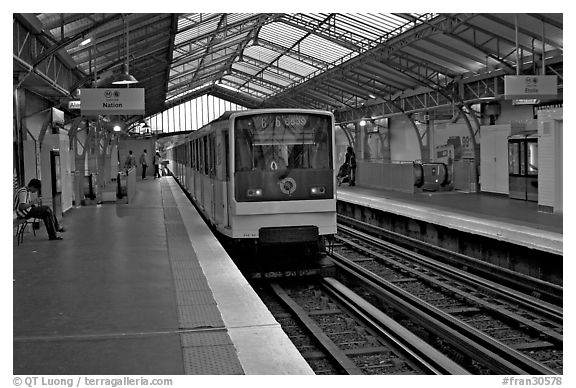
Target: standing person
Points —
{"points": [[144, 163], [351, 161], [130, 161], [156, 163], [26, 207]]}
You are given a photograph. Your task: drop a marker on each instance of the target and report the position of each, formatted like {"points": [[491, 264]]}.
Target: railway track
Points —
{"points": [[546, 291], [338, 332], [502, 329]]}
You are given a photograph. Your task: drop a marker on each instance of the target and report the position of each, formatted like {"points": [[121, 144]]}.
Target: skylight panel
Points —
{"points": [[330, 51], [281, 34]]}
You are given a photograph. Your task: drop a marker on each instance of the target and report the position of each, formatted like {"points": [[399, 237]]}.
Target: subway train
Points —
{"points": [[262, 176]]}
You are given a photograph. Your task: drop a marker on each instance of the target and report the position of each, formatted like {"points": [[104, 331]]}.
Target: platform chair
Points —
{"points": [[21, 224]]}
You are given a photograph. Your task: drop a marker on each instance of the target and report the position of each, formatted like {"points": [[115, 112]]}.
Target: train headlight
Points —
{"points": [[254, 192], [319, 190]]}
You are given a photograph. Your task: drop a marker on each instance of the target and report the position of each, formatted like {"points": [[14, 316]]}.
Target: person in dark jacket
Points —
{"points": [[351, 162], [27, 207], [144, 163], [130, 161], [156, 163]]}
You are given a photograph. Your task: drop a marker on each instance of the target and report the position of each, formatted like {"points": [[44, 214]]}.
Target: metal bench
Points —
{"points": [[21, 224]]}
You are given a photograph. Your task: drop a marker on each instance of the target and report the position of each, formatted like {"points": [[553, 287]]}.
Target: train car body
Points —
{"points": [[265, 175]]}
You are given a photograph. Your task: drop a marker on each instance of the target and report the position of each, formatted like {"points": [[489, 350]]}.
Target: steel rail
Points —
{"points": [[547, 310], [552, 335], [549, 291], [335, 353], [412, 346], [477, 345]]}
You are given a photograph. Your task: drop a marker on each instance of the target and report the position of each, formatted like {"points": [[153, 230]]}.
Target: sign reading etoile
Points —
{"points": [[111, 101], [530, 86]]}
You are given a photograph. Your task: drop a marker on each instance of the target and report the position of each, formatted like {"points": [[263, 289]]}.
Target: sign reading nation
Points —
{"points": [[110, 101], [530, 86]]}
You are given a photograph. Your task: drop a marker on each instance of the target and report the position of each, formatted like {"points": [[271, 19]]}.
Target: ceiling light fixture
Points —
{"points": [[117, 128], [362, 122], [124, 78], [85, 42], [371, 96]]}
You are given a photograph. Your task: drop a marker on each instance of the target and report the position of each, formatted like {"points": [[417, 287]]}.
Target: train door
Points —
{"points": [[197, 176], [202, 168], [219, 181], [206, 178], [183, 166], [209, 189], [532, 167], [190, 169], [187, 166], [226, 177], [213, 177], [208, 181]]}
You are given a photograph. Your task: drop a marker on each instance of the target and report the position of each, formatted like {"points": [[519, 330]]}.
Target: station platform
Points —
{"points": [[487, 215], [140, 288]]}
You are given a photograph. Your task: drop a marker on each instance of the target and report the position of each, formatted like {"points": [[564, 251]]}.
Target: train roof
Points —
{"points": [[178, 137]]}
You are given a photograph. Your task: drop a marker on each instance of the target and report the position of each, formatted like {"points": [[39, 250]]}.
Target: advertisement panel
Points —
{"points": [[456, 135]]}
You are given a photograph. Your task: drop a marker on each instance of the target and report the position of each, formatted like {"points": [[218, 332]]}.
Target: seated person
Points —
{"points": [[27, 208]]}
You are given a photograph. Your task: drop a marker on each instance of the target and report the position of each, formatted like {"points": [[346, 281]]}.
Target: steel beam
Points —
{"points": [[319, 28], [384, 50]]}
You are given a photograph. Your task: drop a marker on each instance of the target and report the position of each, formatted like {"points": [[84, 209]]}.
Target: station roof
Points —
{"points": [[319, 60]]}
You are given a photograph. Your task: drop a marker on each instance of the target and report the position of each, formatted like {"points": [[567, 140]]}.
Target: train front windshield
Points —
{"points": [[269, 142]]}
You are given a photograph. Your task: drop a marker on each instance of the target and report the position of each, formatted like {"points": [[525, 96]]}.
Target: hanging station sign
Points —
{"points": [[530, 86], [111, 101]]}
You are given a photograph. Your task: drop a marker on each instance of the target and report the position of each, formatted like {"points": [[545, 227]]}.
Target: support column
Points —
{"points": [[19, 135], [415, 127]]}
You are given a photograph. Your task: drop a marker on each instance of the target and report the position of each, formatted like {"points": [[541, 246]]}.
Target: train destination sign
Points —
{"points": [[282, 129], [112, 101]]}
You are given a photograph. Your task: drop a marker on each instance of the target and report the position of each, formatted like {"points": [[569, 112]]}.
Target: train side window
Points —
{"points": [[194, 154], [201, 155], [198, 156], [210, 142], [189, 159], [195, 157], [213, 154], [205, 156]]}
